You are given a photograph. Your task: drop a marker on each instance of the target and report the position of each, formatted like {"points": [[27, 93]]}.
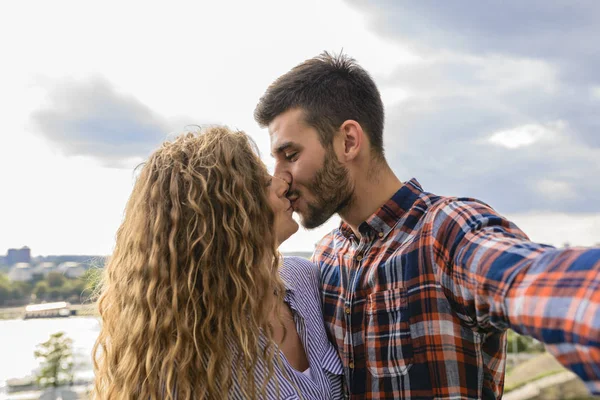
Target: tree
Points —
{"points": [[5, 289], [21, 290], [41, 290], [523, 344], [73, 290], [93, 283], [56, 357], [55, 279]]}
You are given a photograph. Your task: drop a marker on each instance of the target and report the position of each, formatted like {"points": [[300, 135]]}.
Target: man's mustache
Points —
{"points": [[292, 195]]}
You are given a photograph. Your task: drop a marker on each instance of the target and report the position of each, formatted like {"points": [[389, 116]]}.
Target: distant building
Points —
{"points": [[71, 269], [44, 268], [21, 272], [15, 256], [87, 261]]}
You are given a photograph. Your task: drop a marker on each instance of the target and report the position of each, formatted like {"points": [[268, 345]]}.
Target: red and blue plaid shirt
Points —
{"points": [[419, 305]]}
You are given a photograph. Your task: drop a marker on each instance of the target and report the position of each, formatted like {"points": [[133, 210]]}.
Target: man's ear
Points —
{"points": [[353, 138]]}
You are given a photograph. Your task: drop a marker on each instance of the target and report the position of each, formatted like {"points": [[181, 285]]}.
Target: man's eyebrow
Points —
{"points": [[282, 147]]}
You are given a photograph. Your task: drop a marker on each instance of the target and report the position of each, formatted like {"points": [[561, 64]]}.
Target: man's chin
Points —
{"points": [[310, 223], [302, 219], [312, 217]]}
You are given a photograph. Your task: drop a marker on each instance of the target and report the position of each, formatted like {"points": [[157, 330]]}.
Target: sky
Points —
{"points": [[494, 101]]}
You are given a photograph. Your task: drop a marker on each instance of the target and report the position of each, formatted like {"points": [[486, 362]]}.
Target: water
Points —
{"points": [[18, 340]]}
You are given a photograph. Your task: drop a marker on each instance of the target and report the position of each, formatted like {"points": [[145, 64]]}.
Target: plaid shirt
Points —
{"points": [[419, 306]]}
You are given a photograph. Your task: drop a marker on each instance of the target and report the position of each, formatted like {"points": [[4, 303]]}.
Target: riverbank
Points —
{"points": [[27, 389], [81, 310], [75, 392], [18, 358]]}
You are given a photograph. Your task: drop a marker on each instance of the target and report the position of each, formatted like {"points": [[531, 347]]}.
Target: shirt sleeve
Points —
{"points": [[496, 278]]}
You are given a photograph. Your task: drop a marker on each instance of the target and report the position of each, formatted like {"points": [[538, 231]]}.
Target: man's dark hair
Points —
{"points": [[330, 89]]}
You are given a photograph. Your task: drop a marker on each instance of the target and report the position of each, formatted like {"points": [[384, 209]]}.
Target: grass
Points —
{"points": [[540, 367], [531, 370]]}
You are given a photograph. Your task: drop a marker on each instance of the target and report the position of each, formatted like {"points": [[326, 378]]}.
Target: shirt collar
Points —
{"points": [[388, 215]]}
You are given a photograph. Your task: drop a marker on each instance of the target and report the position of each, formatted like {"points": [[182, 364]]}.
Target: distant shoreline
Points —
{"points": [[83, 310]]}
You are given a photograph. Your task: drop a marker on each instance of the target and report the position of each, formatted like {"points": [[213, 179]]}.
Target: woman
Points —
{"points": [[195, 303]]}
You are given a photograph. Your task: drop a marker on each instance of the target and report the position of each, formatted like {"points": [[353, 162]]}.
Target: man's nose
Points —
{"points": [[281, 186], [281, 173]]}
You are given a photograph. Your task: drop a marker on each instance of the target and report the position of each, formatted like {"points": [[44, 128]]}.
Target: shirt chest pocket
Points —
{"points": [[387, 335]]}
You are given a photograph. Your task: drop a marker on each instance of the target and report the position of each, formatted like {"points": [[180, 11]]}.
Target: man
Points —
{"points": [[418, 289]]}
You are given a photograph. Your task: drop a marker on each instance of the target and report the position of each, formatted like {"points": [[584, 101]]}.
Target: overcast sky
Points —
{"points": [[499, 101]]}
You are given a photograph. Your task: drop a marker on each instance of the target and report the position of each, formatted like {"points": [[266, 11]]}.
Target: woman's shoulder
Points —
{"points": [[298, 271]]}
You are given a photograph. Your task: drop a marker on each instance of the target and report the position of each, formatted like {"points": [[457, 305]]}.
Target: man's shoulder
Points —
{"points": [[460, 202], [467, 211]]}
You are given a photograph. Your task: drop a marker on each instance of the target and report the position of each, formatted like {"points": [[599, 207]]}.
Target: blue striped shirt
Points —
{"points": [[303, 295]]}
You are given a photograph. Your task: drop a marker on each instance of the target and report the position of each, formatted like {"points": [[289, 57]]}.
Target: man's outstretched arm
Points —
{"points": [[497, 278]]}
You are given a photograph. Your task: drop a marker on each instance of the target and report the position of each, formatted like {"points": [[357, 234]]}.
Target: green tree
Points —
{"points": [[21, 290], [41, 290], [55, 279], [54, 293], [56, 357], [12, 293], [93, 282], [5, 289], [523, 344], [73, 289]]}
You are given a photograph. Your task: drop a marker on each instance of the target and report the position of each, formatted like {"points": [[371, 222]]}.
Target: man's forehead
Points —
{"points": [[289, 121], [286, 132]]}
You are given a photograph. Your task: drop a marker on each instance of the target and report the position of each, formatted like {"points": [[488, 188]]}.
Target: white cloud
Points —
{"points": [[527, 135], [505, 73], [556, 189], [557, 229], [442, 73], [393, 95]]}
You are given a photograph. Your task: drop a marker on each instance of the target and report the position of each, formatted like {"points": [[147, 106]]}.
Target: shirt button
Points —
{"points": [[358, 257], [380, 234], [347, 310], [351, 365]]}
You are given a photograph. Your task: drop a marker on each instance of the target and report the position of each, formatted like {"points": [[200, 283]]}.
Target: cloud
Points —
{"points": [[559, 30], [501, 103], [527, 135], [90, 117], [461, 147], [558, 228]]}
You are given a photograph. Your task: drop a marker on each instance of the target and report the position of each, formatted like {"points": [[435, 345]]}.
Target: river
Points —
{"points": [[18, 340]]}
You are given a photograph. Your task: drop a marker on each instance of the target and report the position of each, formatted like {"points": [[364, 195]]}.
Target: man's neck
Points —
{"points": [[370, 193]]}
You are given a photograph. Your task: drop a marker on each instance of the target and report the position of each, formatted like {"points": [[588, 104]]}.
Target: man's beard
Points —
{"points": [[332, 189]]}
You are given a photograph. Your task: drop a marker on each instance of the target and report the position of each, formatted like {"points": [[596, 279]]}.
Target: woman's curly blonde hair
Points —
{"points": [[192, 275]]}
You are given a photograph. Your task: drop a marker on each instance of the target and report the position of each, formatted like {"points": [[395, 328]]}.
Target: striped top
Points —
{"points": [[303, 295], [419, 305]]}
